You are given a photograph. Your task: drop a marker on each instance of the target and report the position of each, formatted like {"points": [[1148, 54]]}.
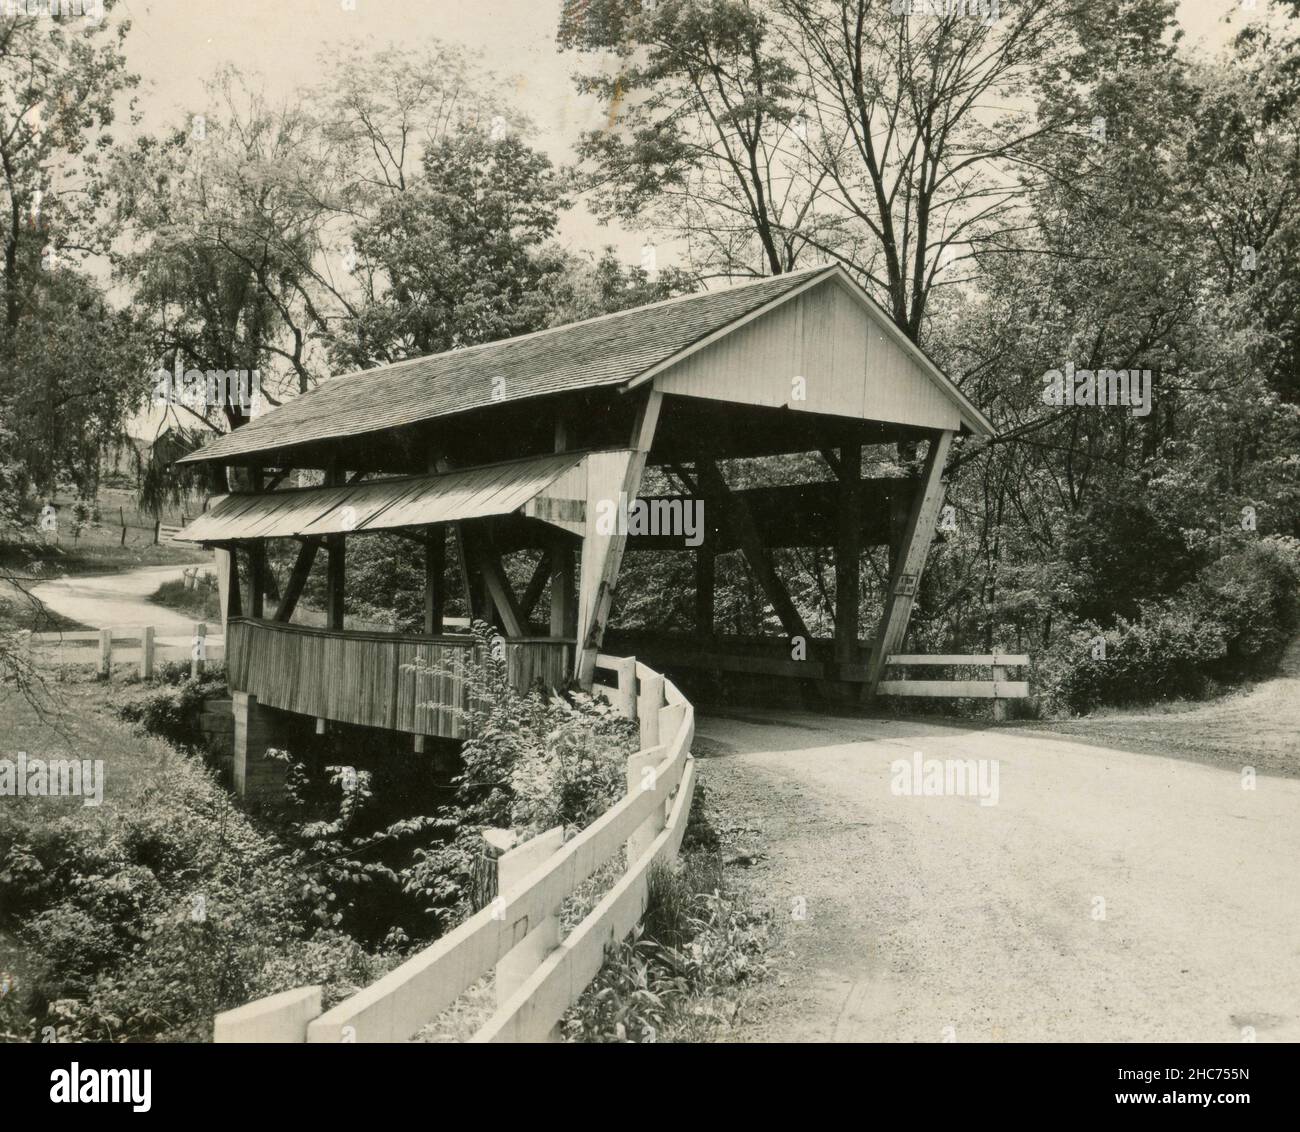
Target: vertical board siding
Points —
{"points": [[361, 678], [851, 365]]}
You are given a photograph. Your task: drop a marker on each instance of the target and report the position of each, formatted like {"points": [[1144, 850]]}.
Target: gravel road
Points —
{"points": [[1106, 896]]}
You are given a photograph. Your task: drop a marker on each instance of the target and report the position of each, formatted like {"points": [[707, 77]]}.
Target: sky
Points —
{"points": [[175, 44]]}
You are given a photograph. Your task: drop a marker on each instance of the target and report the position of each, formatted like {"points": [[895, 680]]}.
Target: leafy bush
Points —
{"points": [[536, 760], [201, 602], [680, 973], [144, 920], [171, 711], [1232, 621]]}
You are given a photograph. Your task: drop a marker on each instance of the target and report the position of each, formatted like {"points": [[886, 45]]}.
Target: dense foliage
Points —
{"points": [[143, 920], [535, 760]]}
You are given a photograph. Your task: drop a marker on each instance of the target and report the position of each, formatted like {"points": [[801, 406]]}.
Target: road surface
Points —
{"points": [[120, 601], [1106, 896]]}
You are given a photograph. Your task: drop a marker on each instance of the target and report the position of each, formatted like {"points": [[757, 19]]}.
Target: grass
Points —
{"points": [[201, 602], [1254, 725], [76, 720], [693, 965], [90, 554], [73, 719], [97, 548]]}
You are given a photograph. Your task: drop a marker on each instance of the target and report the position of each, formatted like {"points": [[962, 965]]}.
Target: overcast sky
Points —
{"points": [[175, 44]]}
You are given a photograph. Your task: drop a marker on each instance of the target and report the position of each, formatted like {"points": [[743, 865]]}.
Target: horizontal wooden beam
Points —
{"points": [[784, 515], [956, 689], [1009, 660]]}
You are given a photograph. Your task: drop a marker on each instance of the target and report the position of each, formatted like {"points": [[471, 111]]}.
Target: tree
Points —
{"points": [[837, 128], [457, 257], [60, 82]]}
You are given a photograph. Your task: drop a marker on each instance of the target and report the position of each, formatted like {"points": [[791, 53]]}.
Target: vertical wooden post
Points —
{"points": [[146, 652], [105, 652], [848, 555], [257, 562], [469, 582], [199, 650], [435, 595], [704, 587], [999, 704], [564, 608], [524, 958], [625, 701], [647, 708], [336, 551], [905, 574], [231, 606], [564, 613]]}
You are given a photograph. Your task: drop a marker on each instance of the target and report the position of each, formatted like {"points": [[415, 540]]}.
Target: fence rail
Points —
{"points": [[999, 689], [144, 644], [538, 975]]}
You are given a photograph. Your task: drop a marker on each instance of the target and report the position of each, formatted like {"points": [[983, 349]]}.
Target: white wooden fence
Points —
{"points": [[999, 689], [538, 975], [141, 645]]}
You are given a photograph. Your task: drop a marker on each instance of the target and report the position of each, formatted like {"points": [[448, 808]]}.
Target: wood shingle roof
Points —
{"points": [[608, 350]]}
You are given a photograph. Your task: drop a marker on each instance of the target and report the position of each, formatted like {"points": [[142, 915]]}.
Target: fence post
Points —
{"points": [[641, 776], [105, 652], [199, 652], [999, 704], [146, 652], [626, 700], [121, 514], [523, 959], [157, 526], [647, 709]]}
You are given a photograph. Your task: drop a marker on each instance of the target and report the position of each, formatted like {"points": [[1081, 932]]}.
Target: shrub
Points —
{"points": [[171, 711], [536, 760], [1231, 622], [144, 920], [680, 973]]}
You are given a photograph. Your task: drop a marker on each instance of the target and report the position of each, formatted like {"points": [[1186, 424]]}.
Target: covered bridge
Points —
{"points": [[534, 442]]}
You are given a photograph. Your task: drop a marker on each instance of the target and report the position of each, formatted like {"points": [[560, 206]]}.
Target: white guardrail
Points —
{"points": [[999, 689], [145, 642], [538, 974]]}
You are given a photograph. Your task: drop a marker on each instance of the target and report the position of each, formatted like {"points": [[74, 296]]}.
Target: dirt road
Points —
{"points": [[120, 601], [1106, 896]]}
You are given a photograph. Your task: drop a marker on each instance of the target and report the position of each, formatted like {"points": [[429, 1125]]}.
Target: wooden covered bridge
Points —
{"points": [[533, 443]]}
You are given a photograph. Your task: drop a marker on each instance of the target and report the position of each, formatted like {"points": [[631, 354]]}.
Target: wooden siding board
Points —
{"points": [[850, 366], [359, 678]]}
